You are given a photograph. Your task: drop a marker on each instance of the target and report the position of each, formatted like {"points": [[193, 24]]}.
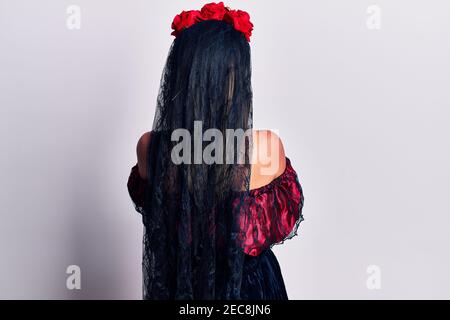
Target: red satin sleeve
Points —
{"points": [[272, 213], [136, 189]]}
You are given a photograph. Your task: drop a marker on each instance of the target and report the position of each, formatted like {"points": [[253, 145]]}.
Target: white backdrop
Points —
{"points": [[363, 112]]}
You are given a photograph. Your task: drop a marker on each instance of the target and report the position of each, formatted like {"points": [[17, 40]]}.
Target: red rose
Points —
{"points": [[184, 20], [240, 21], [213, 11]]}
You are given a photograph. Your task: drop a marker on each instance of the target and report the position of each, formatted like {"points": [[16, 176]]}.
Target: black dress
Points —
{"points": [[276, 209], [262, 279]]}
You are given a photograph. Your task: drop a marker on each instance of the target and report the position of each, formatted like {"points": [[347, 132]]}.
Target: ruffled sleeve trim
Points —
{"points": [[272, 213]]}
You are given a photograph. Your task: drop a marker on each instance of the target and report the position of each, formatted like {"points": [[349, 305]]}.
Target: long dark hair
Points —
{"points": [[192, 235]]}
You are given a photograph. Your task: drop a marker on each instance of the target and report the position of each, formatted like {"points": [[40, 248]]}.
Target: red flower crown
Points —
{"points": [[239, 19]]}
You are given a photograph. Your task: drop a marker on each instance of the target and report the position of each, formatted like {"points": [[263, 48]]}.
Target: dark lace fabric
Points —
{"points": [[270, 215]]}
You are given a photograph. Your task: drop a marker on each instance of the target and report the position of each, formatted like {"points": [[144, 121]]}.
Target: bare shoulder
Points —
{"points": [[268, 158], [141, 152]]}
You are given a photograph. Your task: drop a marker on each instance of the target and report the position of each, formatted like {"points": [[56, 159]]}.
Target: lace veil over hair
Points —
{"points": [[191, 213]]}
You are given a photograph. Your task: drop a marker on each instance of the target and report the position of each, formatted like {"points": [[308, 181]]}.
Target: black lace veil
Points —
{"points": [[191, 211]]}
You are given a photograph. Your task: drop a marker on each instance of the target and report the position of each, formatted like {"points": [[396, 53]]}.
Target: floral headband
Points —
{"points": [[239, 19]]}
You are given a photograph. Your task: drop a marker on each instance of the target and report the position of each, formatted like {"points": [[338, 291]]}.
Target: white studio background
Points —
{"points": [[359, 91]]}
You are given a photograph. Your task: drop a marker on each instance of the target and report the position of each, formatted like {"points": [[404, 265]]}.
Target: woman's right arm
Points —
{"points": [[141, 152]]}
